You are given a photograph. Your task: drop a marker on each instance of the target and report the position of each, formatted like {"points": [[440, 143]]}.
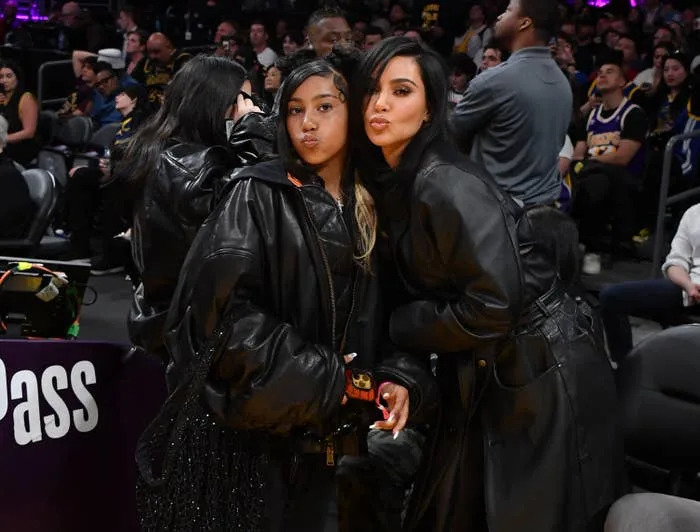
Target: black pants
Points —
{"points": [[86, 203], [603, 196], [301, 496]]}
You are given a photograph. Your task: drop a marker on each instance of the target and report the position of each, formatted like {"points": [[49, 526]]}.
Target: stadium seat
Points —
{"points": [[660, 405], [42, 189]]}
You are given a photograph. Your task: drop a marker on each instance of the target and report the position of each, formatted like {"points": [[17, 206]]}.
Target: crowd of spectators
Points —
{"points": [[633, 75]]}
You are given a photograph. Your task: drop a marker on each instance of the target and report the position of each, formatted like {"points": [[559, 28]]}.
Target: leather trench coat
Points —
{"points": [[526, 440], [168, 212]]}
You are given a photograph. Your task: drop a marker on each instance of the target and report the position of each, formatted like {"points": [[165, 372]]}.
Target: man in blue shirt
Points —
{"points": [[107, 87], [516, 115]]}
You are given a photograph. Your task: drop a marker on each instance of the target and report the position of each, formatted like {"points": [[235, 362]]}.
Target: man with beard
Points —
{"points": [[516, 116]]}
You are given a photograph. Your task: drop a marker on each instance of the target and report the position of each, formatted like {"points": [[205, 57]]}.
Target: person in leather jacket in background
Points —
{"points": [[173, 169], [276, 332], [526, 440]]}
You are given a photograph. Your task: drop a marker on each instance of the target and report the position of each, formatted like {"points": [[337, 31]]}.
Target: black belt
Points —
{"points": [[542, 308], [333, 446]]}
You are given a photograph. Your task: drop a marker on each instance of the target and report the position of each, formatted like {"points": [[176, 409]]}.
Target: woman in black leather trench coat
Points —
{"points": [[174, 168], [276, 292], [526, 441]]}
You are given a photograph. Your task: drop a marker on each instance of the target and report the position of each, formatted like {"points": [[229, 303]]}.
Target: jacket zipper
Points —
{"points": [[327, 266]]}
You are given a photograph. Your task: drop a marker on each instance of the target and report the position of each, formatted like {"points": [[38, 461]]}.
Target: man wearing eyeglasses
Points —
{"points": [[107, 87]]}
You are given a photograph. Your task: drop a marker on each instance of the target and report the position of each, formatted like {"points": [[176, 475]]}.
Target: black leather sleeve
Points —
{"points": [[267, 376], [467, 230], [413, 372], [252, 138]]}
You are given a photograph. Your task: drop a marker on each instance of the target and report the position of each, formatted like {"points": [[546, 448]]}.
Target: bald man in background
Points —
{"points": [[161, 63]]}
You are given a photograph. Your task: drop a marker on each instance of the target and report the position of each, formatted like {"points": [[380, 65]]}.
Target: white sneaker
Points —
{"points": [[591, 264]]}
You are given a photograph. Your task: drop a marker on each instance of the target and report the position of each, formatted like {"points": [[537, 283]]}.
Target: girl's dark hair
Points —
{"points": [[193, 111], [434, 77], [339, 65]]}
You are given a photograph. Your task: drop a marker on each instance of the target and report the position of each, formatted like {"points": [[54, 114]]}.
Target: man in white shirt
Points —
{"points": [[258, 41]]}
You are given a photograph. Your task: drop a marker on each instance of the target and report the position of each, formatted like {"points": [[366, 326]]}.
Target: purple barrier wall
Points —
{"points": [[70, 414]]}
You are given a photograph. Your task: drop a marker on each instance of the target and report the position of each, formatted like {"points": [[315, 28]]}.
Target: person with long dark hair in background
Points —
{"points": [[172, 170], [526, 439], [274, 340], [21, 110]]}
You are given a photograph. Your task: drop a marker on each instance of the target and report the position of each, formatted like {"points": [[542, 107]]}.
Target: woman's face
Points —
{"points": [[8, 79], [317, 121], [289, 46], [133, 44], [273, 79], [123, 103], [675, 73], [397, 107]]}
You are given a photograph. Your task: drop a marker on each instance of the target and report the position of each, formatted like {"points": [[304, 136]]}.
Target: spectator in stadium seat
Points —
{"points": [[159, 68], [478, 34], [107, 85], [660, 300], [21, 110], [292, 41], [135, 48], [517, 115], [462, 71], [126, 23], [259, 37], [609, 179], [664, 109], [16, 206], [492, 56], [80, 102], [373, 35], [89, 192], [326, 28], [649, 80]]}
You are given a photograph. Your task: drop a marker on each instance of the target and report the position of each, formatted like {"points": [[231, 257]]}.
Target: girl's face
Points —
{"points": [[458, 81], [8, 79], [675, 73], [273, 79], [397, 107], [317, 122]]}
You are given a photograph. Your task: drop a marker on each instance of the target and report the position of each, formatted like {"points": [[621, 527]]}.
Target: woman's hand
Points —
{"points": [[397, 400], [243, 107]]}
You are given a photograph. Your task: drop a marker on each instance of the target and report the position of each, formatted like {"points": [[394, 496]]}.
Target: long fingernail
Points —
{"points": [[396, 434], [373, 426], [351, 356], [391, 418]]}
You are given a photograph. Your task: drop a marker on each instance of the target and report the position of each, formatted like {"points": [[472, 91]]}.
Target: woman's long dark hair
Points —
{"points": [[19, 74], [193, 111], [434, 76]]}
